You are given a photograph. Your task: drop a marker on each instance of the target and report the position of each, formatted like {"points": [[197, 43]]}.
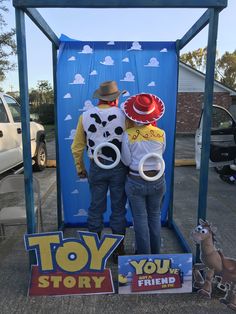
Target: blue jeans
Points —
{"points": [[145, 199], [100, 180]]}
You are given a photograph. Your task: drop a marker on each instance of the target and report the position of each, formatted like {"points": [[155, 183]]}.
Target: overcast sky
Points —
{"points": [[116, 25]]}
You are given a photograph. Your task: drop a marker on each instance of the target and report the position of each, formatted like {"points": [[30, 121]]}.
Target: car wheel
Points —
{"points": [[41, 157]]}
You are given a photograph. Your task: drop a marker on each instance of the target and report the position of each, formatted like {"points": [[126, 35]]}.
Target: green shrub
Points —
{"points": [[46, 113]]}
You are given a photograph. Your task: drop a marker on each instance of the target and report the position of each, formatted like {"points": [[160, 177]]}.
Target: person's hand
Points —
{"points": [[83, 174]]}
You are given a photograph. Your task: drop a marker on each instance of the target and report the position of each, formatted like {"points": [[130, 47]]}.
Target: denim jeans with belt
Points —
{"points": [[145, 199], [100, 180]]}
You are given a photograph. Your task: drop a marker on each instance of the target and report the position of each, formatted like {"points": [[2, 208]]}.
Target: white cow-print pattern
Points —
{"points": [[103, 125]]}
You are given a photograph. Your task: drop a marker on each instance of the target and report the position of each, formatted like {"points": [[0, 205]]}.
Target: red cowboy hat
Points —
{"points": [[144, 108]]}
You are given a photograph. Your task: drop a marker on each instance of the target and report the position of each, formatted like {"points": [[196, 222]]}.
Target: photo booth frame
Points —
{"points": [[211, 15]]}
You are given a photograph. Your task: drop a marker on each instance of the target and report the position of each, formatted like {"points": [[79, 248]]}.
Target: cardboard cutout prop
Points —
{"points": [[214, 263], [162, 273], [71, 266]]}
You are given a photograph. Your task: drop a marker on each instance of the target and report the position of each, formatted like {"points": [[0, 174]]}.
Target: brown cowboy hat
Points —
{"points": [[108, 91]]}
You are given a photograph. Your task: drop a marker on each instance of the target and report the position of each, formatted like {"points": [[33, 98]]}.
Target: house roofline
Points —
{"points": [[202, 75]]}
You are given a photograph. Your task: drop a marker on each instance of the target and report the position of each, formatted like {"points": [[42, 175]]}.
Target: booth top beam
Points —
{"points": [[120, 3]]}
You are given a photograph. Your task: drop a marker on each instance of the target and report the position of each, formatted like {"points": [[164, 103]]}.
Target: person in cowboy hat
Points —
{"points": [[103, 123], [145, 197]]}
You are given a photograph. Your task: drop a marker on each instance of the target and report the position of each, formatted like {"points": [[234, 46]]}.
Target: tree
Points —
{"points": [[196, 59], [7, 44], [227, 69], [225, 66], [42, 102], [45, 92]]}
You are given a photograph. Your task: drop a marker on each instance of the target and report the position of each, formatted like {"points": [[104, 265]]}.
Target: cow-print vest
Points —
{"points": [[103, 125]]}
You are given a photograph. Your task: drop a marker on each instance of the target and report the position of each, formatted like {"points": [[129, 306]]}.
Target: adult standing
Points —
{"points": [[103, 123], [145, 197]]}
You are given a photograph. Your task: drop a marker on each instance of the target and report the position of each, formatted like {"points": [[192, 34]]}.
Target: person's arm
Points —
{"points": [[125, 150], [77, 148]]}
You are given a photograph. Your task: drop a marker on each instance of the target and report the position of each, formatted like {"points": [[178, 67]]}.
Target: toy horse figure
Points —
{"points": [[214, 263]]}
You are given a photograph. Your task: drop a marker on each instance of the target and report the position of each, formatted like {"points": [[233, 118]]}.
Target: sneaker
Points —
{"points": [[228, 179]]}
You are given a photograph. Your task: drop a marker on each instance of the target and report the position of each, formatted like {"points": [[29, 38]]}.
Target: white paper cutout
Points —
{"points": [[87, 105], [78, 79], [94, 72], [81, 212], [152, 83], [68, 95], [135, 46], [107, 61], [72, 135], [125, 60], [68, 117], [153, 62], [86, 49], [82, 180], [129, 77], [76, 191], [164, 50], [111, 43], [72, 58]]}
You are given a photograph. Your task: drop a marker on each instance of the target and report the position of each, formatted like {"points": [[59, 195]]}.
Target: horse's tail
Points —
{"points": [[228, 263]]}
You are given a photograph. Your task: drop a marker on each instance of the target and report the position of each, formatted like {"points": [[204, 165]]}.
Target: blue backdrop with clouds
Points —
{"points": [[149, 67]]}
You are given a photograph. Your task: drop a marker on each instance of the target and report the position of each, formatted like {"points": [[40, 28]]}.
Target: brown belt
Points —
{"points": [[149, 173]]}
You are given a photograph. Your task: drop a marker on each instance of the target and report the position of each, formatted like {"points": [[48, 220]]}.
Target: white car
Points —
{"points": [[11, 152], [223, 140]]}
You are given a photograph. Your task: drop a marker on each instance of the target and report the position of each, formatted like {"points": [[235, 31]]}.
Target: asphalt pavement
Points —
{"points": [[221, 211]]}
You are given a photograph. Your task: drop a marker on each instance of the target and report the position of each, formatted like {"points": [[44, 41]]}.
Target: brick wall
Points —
{"points": [[189, 109]]}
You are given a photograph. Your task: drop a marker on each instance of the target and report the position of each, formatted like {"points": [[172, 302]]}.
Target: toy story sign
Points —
{"points": [[165, 273], [71, 266]]}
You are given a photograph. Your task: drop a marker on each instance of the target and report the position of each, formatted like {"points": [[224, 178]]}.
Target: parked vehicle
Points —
{"points": [[11, 152], [223, 140]]}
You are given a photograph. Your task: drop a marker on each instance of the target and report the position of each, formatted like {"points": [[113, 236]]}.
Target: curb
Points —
{"points": [[184, 162], [51, 163]]}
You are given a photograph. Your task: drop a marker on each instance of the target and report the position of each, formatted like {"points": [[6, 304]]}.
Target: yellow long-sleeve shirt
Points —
{"points": [[78, 146], [79, 143]]}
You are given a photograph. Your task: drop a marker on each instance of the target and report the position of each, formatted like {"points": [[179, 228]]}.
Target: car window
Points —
{"points": [[14, 108], [3, 113], [221, 119]]}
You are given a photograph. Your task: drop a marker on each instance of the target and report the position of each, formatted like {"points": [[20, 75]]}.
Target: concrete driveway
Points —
{"points": [[14, 270]]}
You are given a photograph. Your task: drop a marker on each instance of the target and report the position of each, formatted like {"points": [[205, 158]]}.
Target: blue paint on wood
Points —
{"points": [[207, 113], [120, 3], [59, 203], [25, 122], [194, 30], [171, 203]]}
